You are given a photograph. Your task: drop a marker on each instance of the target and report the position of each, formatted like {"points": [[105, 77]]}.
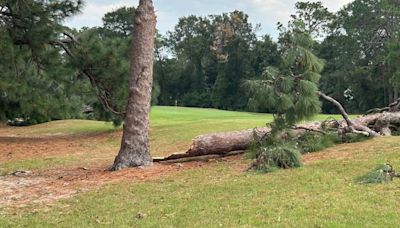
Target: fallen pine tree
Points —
{"points": [[231, 143], [292, 92]]}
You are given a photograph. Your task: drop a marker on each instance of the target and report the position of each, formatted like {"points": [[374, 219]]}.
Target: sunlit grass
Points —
{"points": [[171, 130], [319, 194], [59, 128]]}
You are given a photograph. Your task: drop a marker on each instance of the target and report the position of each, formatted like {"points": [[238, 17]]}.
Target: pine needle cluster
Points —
{"points": [[282, 155], [291, 91], [383, 173]]}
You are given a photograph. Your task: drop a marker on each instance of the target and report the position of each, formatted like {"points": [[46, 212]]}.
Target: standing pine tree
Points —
{"points": [[134, 149], [292, 92]]}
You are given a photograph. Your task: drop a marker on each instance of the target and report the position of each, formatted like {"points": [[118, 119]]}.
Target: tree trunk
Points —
{"points": [[134, 149], [223, 144], [226, 142], [218, 143]]}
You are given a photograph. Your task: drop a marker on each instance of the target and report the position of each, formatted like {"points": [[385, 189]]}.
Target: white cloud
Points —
{"points": [[266, 12], [336, 5], [269, 12], [279, 5], [93, 12]]}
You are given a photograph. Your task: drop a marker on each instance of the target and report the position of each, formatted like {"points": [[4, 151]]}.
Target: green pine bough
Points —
{"points": [[383, 173]]}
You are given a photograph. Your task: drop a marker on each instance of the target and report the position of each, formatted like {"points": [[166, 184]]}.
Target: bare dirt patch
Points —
{"points": [[18, 148], [46, 187], [50, 185]]}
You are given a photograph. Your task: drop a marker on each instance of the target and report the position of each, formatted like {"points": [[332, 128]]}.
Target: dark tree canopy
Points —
{"points": [[50, 71], [119, 22], [36, 82]]}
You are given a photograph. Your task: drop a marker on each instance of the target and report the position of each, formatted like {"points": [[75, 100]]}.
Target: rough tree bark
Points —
{"points": [[218, 143], [134, 149], [223, 144]]}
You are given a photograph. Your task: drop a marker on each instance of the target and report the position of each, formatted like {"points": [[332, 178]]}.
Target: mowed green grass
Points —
{"points": [[221, 194], [59, 128], [319, 194], [171, 130], [174, 120]]}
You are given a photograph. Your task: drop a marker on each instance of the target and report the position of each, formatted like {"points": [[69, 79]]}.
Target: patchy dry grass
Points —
{"points": [[85, 142], [322, 193]]}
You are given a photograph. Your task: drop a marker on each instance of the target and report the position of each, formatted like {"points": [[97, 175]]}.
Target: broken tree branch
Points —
{"points": [[309, 129], [353, 127]]}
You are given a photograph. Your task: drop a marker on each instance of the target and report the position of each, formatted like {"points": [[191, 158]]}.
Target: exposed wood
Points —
{"points": [[352, 126], [395, 106], [338, 106], [218, 144], [224, 142]]}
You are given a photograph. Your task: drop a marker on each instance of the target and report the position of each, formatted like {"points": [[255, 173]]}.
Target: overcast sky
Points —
{"points": [[265, 12]]}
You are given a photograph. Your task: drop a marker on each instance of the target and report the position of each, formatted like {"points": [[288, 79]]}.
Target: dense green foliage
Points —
{"points": [[291, 92], [204, 62], [211, 57], [35, 81], [285, 152], [358, 50], [291, 89], [274, 153], [277, 155]]}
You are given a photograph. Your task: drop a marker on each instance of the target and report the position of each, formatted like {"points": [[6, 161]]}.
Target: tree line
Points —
{"points": [[50, 71]]}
